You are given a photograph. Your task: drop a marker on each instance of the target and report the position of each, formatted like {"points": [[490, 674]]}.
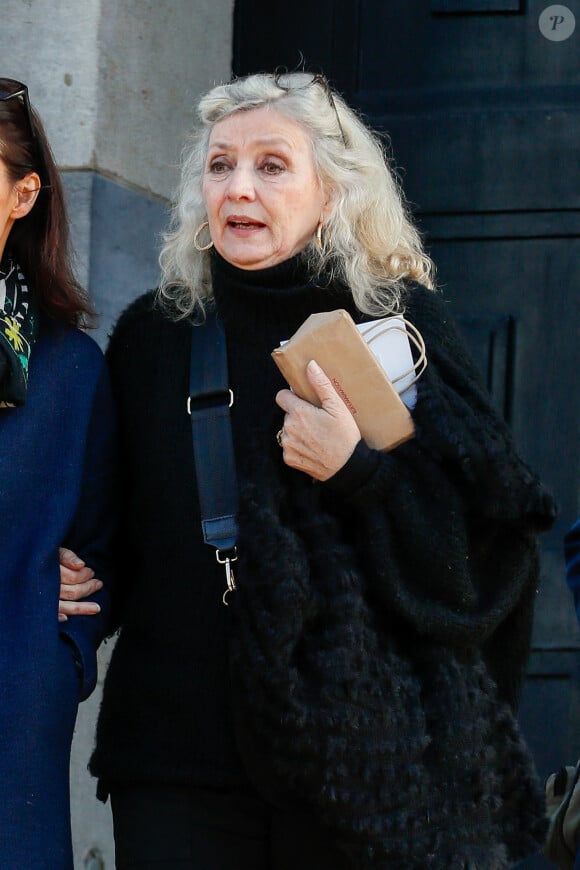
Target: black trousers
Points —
{"points": [[173, 828]]}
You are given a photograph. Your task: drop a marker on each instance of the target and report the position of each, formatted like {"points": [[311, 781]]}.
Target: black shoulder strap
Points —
{"points": [[208, 405]]}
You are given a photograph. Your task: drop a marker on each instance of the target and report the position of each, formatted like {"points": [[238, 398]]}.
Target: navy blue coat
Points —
{"points": [[56, 489], [572, 553]]}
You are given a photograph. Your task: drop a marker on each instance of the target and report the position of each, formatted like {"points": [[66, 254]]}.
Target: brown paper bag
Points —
{"points": [[332, 339]]}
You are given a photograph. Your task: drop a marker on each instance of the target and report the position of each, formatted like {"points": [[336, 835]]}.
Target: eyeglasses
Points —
{"points": [[286, 82], [10, 89]]}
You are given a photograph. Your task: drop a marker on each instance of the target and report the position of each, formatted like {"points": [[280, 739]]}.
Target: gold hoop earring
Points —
{"points": [[319, 235], [200, 229]]}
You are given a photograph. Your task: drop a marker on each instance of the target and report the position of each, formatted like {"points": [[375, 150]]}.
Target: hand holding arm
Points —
{"points": [[317, 441], [77, 581]]}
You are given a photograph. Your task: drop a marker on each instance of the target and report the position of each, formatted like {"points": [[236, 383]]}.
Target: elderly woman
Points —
{"points": [[354, 705], [56, 470]]}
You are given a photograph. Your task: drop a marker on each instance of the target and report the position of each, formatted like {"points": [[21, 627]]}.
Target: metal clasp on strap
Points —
{"points": [[211, 400], [225, 558]]}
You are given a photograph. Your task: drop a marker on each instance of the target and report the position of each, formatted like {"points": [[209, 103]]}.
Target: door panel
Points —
{"points": [[491, 340], [535, 282]]}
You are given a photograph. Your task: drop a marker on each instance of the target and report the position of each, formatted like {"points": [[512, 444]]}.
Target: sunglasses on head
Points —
{"points": [[10, 89], [287, 82]]}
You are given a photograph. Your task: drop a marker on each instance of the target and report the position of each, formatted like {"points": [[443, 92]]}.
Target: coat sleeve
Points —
{"points": [[92, 531]]}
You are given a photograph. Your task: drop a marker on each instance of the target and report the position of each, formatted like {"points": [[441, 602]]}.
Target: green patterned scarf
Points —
{"points": [[18, 326]]}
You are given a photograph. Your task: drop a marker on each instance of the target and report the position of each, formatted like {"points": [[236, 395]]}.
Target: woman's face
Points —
{"points": [[260, 187]]}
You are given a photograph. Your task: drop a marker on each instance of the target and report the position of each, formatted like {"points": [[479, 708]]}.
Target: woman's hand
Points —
{"points": [[318, 441], [77, 581]]}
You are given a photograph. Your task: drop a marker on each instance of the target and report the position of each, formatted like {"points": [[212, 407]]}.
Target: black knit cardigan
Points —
{"points": [[382, 623], [381, 635]]}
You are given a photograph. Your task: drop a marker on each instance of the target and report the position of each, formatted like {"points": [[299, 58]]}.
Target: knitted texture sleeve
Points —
{"points": [[449, 521], [379, 634], [445, 526]]}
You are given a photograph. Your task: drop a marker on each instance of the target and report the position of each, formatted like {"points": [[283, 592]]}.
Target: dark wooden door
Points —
{"points": [[482, 107]]}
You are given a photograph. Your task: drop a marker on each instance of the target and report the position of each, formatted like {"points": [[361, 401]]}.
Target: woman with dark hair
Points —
{"points": [[56, 490]]}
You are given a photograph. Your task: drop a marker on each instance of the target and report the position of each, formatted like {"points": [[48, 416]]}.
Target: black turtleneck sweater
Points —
{"points": [[447, 522], [165, 715]]}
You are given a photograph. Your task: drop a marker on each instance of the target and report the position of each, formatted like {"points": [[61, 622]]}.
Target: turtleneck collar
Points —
{"points": [[277, 298]]}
